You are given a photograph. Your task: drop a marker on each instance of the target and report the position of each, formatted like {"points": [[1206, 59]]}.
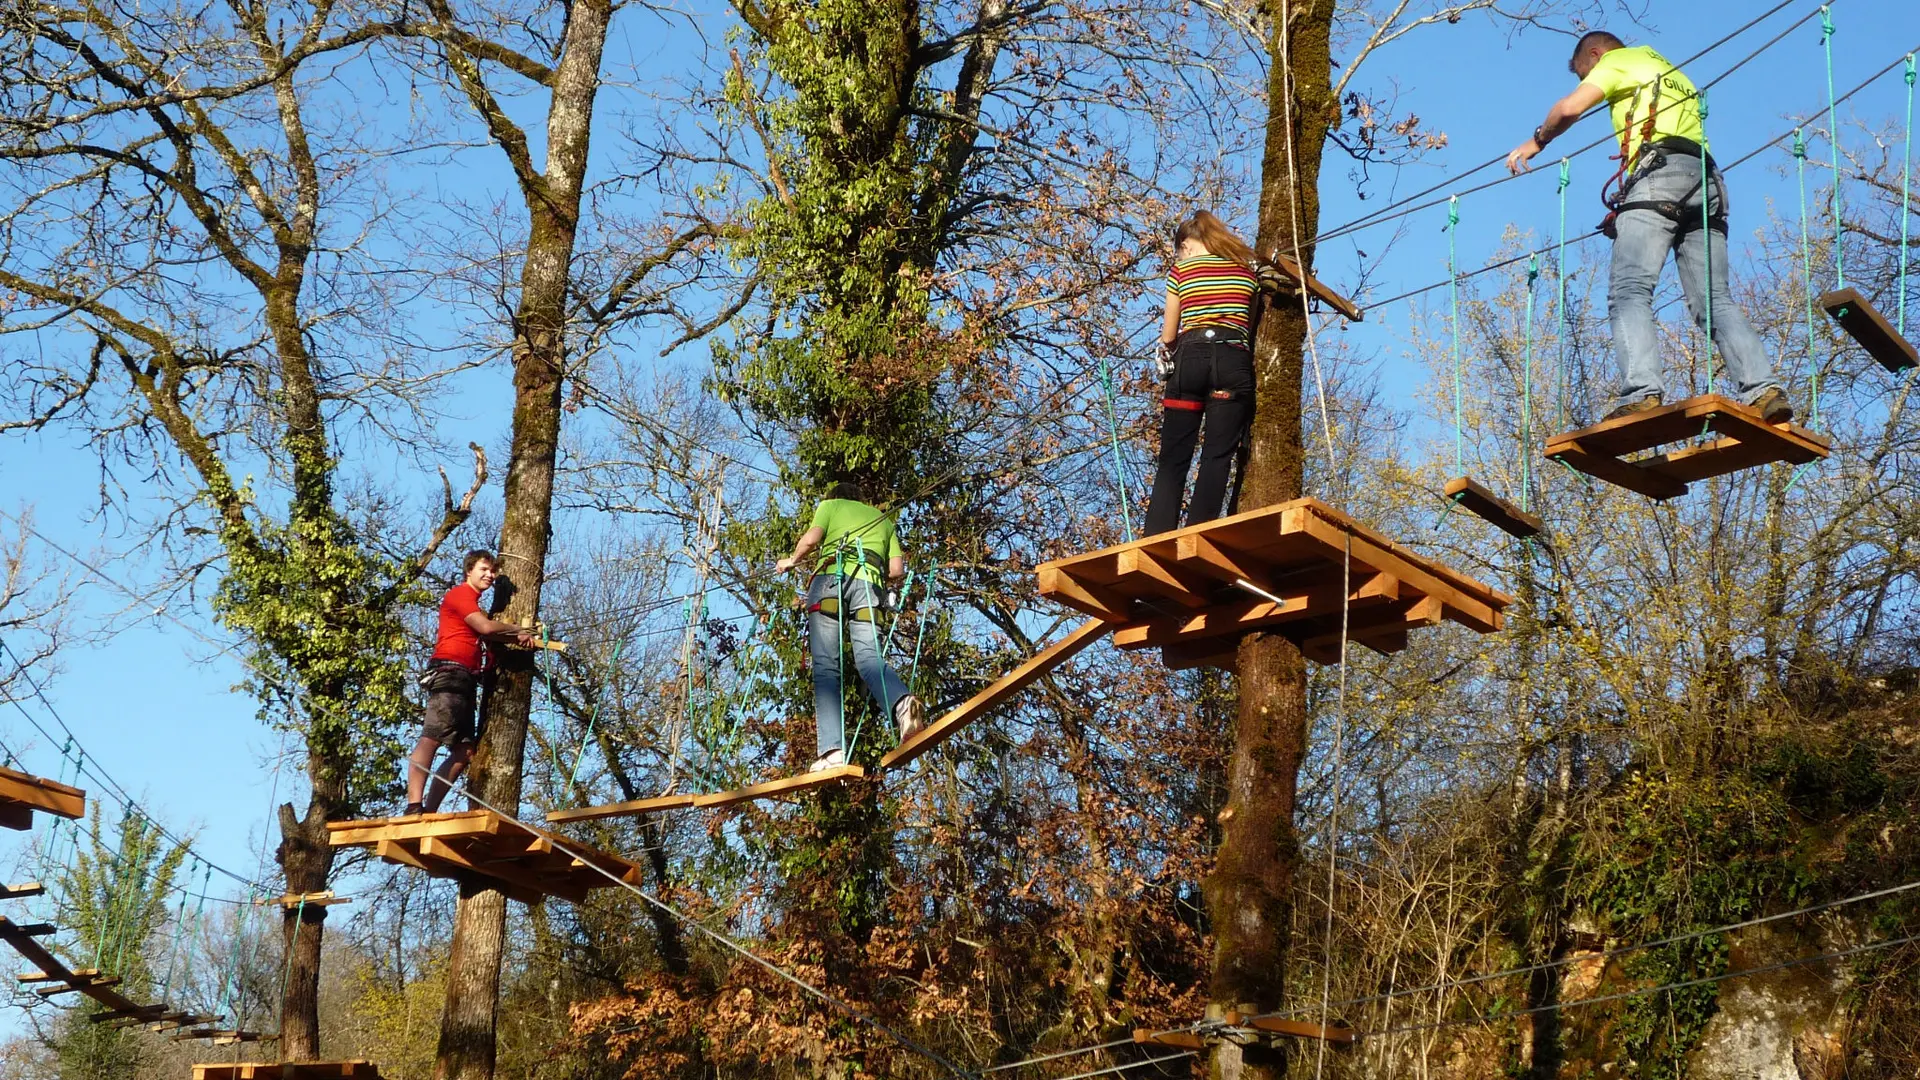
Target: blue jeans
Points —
{"points": [[1700, 256], [823, 640]]}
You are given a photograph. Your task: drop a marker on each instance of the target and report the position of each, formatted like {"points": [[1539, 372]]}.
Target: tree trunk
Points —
{"points": [[1250, 892], [467, 1046], [306, 858]]}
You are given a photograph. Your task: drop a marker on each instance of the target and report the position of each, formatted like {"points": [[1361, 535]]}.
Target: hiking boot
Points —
{"points": [[912, 716], [832, 759], [413, 809], [1774, 407], [1651, 401]]}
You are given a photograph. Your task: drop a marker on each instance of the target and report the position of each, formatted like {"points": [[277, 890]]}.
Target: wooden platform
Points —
{"points": [[282, 1070], [523, 862], [1495, 510], [1871, 329], [21, 794], [1181, 591], [1744, 441], [1315, 287]]}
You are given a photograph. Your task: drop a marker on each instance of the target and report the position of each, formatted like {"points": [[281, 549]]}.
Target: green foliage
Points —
{"points": [[330, 656], [113, 897]]}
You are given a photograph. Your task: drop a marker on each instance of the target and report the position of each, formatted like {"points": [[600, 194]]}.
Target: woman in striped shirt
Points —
{"points": [[1209, 317]]}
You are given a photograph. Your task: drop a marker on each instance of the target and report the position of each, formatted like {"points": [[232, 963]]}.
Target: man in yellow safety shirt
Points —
{"points": [[860, 558], [1672, 198]]}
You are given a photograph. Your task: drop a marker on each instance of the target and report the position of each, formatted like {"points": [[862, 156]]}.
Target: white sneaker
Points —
{"points": [[912, 716], [832, 759]]}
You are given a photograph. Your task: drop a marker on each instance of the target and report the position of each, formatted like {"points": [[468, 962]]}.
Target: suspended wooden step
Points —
{"points": [[1495, 510], [1871, 329], [21, 794], [1185, 1040], [295, 901], [22, 891], [221, 1036], [786, 785], [1196, 592], [998, 691], [51, 977], [631, 808], [1745, 441], [1315, 287], [287, 1070], [521, 861]]}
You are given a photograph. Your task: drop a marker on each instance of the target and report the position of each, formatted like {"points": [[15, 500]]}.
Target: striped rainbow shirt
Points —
{"points": [[1212, 291]]}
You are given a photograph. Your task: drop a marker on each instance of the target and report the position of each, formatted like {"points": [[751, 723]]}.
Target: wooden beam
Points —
{"points": [[1161, 577], [79, 984], [783, 786], [296, 900], [1256, 613], [1471, 609], [1206, 555], [1006, 686], [523, 879], [1871, 329], [28, 977], [1495, 510], [1185, 1040], [1316, 287], [1094, 600], [1333, 1033], [39, 793], [464, 823], [622, 809]]}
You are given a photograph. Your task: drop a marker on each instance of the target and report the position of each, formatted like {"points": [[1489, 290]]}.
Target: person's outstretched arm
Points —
{"points": [[809, 543], [1559, 119]]}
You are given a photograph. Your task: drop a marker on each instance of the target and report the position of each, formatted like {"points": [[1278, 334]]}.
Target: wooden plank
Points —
{"points": [[28, 977], [1333, 1033], [394, 851], [22, 891], [464, 823], [11, 930], [1618, 473], [1871, 329], [1095, 600], [783, 786], [1412, 571], [275, 1070], [525, 879], [1644, 430], [1142, 568], [1790, 441], [1185, 1040], [622, 809], [1495, 510], [1316, 287], [293, 901], [38, 793], [938, 731], [80, 983], [1208, 555], [1256, 613]]}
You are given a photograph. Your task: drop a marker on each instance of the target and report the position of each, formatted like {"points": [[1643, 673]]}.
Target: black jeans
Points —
{"points": [[1212, 381]]}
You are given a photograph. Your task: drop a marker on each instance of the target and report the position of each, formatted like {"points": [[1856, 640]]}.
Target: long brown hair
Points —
{"points": [[1214, 235]]}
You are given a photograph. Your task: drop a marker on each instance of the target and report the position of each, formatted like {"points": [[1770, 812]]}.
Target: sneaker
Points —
{"points": [[912, 716], [413, 809], [1774, 406], [1651, 401], [832, 759]]}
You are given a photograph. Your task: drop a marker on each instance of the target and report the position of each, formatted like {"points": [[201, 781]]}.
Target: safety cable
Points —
{"points": [[1380, 215], [586, 856], [1906, 193], [1124, 1067], [1560, 280], [1749, 156], [1453, 301], [1833, 139], [1606, 140], [1706, 237], [1113, 429], [1806, 267], [1526, 393]]}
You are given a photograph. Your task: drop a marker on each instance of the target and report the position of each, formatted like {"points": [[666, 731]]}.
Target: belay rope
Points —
{"points": [[1113, 432], [1906, 194], [1453, 297], [1806, 268], [1526, 393]]}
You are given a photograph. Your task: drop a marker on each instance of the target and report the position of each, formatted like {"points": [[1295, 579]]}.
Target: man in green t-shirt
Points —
{"points": [[1672, 198], [859, 561]]}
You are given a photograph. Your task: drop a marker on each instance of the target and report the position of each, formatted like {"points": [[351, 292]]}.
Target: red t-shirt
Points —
{"points": [[457, 641]]}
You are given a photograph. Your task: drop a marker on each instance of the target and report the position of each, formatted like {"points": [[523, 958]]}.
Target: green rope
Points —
{"points": [[173, 945], [226, 1007], [199, 907], [1453, 296], [1833, 133], [1526, 393], [286, 978], [1113, 430], [1706, 236], [933, 580], [1806, 269], [593, 714], [1906, 198], [1560, 272]]}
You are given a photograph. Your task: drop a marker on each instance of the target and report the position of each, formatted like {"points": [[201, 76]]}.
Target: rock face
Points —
{"points": [[1789, 1024]]}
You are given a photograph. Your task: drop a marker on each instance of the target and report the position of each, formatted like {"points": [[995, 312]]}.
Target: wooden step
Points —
{"points": [[1871, 329], [1495, 510]]}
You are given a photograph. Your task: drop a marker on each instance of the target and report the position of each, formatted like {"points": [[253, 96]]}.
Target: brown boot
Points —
{"points": [[1774, 407], [1651, 401]]}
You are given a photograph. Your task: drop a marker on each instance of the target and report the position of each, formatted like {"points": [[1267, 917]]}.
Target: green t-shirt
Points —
{"points": [[853, 528], [1638, 79]]}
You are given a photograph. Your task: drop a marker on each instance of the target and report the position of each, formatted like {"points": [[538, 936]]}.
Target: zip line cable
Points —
{"points": [[1381, 216], [1749, 156], [584, 854]]}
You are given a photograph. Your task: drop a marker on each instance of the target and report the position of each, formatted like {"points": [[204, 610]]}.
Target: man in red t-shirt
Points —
{"points": [[452, 681]]}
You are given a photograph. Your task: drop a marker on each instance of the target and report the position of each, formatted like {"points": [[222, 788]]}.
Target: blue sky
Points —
{"points": [[155, 706]]}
